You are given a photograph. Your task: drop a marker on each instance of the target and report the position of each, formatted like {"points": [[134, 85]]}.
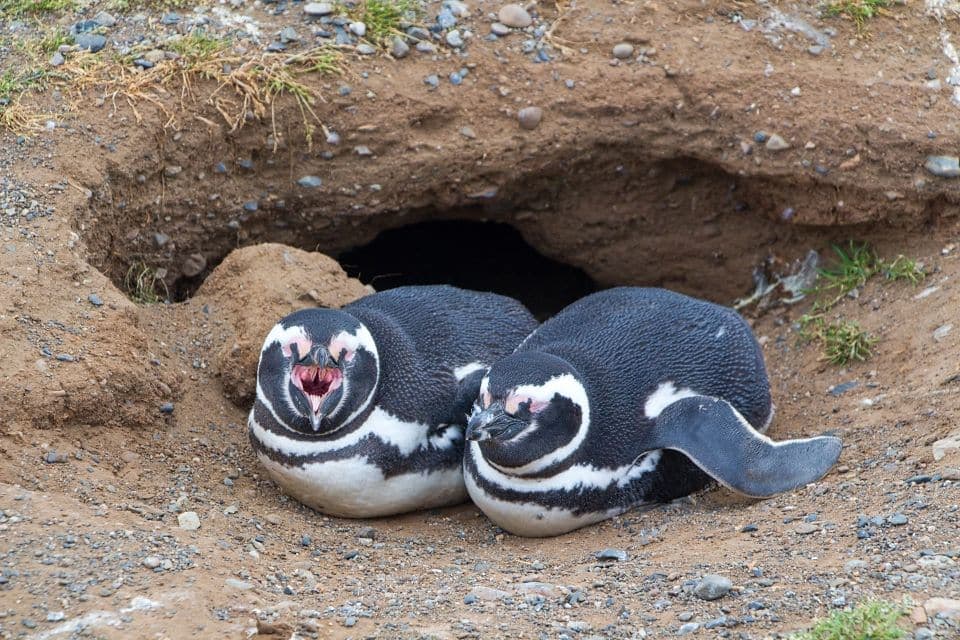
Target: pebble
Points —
{"points": [[530, 117], [897, 519], [56, 616], [943, 166], [366, 49], [619, 555], [29, 623], [57, 59], [350, 621], [367, 532], [358, 29], [289, 34], [513, 15], [104, 19], [309, 182], [748, 528], [92, 42], [399, 47], [306, 540], [454, 39], [166, 407], [712, 587], [942, 331], [944, 446], [488, 594], [943, 608], [95, 300], [688, 628], [170, 19], [53, 457], [189, 520], [623, 51], [318, 8], [776, 143], [151, 562], [426, 47], [500, 29], [241, 585], [950, 474], [686, 616], [432, 81], [806, 528]]}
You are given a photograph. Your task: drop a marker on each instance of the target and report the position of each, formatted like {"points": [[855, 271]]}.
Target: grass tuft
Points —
{"points": [[903, 268], [869, 621], [857, 10], [20, 8], [383, 18], [143, 285]]}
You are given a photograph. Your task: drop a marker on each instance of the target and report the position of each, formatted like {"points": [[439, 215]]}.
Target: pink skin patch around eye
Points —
{"points": [[337, 347], [303, 347], [316, 383], [513, 404]]}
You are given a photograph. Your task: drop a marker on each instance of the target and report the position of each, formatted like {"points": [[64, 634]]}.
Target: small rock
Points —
{"points": [[748, 528], [618, 555], [166, 407], [358, 29], [104, 19], [806, 528], [943, 166], [432, 81], [468, 132], [289, 34], [310, 182], [942, 332], [946, 446], [193, 265], [189, 520], [776, 143], [53, 457], [712, 587], [470, 599], [151, 562], [897, 520], [29, 623], [530, 117], [815, 50], [686, 616], [238, 584], [513, 15], [942, 608], [57, 59], [688, 628], [399, 47], [318, 8], [454, 39], [499, 29], [426, 47], [487, 593], [56, 616], [366, 49], [623, 51], [92, 42], [950, 474], [306, 540], [95, 300], [172, 170], [367, 532], [350, 621], [170, 19]]}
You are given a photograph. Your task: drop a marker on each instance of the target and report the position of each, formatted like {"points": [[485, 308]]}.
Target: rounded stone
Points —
{"points": [[189, 520], [151, 562], [712, 587], [530, 117], [399, 48], [499, 29], [515, 16], [623, 51], [318, 8]]}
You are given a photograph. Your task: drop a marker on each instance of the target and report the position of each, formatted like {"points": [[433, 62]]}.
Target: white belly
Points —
{"points": [[354, 488]]}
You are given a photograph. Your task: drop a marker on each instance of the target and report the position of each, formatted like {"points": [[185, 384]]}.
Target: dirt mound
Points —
{"points": [[252, 289]]}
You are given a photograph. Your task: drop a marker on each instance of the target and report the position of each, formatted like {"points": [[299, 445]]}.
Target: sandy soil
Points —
{"points": [[639, 175]]}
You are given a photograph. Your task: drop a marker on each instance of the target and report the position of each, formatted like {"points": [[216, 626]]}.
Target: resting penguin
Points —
{"points": [[628, 397], [360, 412]]}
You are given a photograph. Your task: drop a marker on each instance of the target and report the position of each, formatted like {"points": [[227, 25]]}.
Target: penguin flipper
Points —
{"points": [[720, 441]]}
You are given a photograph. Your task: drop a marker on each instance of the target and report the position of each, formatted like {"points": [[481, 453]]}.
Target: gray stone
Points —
{"points": [[151, 562], [172, 170], [57, 59], [942, 331], [318, 8], [189, 520], [499, 29], [433, 81], [95, 300], [487, 593], [712, 587], [688, 628], [806, 528], [56, 616], [92, 42], [623, 51], [426, 47], [943, 166], [309, 182], [611, 554], [160, 239], [945, 446], [289, 34], [366, 49], [776, 143], [897, 520], [358, 29], [686, 616], [240, 585], [104, 19], [399, 48], [530, 117], [513, 15], [454, 39]]}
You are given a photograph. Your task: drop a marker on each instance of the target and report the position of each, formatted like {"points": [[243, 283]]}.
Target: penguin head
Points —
{"points": [[318, 370], [532, 412]]}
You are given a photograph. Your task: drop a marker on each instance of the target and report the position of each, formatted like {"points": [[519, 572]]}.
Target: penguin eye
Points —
{"points": [[523, 405]]}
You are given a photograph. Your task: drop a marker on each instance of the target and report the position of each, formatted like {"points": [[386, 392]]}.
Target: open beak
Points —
{"points": [[493, 423], [317, 377]]}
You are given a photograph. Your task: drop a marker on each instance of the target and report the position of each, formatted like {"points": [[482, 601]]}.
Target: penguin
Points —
{"points": [[360, 412], [626, 398]]}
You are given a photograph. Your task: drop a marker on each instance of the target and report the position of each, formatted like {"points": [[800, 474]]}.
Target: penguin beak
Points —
{"points": [[493, 423]]}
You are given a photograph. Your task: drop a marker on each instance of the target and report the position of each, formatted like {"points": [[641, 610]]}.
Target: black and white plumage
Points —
{"points": [[360, 412], [628, 397]]}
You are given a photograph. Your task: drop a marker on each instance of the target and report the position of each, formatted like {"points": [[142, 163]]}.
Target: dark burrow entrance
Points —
{"points": [[486, 256]]}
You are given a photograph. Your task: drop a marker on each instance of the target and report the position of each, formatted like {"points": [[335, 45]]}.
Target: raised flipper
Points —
{"points": [[721, 442]]}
